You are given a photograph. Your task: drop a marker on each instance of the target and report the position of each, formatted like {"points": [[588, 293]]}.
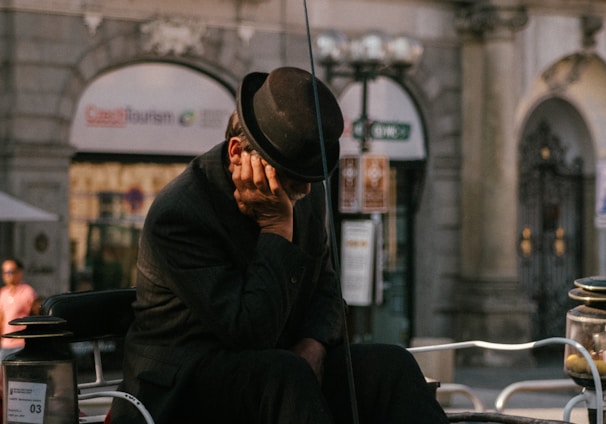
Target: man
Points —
{"points": [[16, 300], [238, 317]]}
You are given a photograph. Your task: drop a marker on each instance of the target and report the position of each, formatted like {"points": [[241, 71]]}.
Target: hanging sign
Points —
{"points": [[382, 130], [349, 182], [375, 183], [364, 184], [601, 194], [357, 261]]}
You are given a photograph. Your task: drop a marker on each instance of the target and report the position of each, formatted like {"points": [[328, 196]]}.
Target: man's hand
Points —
{"points": [[260, 195], [314, 353]]}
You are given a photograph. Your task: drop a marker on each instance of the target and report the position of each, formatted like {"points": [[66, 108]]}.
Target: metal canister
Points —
{"points": [[40, 380]]}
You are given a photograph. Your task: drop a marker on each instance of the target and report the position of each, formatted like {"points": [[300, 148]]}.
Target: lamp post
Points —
{"points": [[364, 59]]}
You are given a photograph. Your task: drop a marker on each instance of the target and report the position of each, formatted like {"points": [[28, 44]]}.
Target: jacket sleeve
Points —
{"points": [[324, 317], [206, 272]]}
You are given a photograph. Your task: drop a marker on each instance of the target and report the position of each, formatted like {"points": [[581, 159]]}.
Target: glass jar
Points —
{"points": [[40, 379], [586, 324]]}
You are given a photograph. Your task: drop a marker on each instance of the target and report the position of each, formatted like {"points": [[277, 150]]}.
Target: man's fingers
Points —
{"points": [[258, 173], [272, 179], [259, 192], [249, 174], [246, 171]]}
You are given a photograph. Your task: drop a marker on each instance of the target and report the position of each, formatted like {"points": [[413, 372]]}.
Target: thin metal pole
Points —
{"points": [[333, 237], [364, 116]]}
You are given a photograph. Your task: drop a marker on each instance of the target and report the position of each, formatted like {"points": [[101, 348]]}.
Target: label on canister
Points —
{"points": [[26, 402]]}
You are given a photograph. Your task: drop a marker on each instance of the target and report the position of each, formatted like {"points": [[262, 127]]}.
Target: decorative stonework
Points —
{"points": [[174, 35], [481, 18], [567, 71], [92, 20], [570, 69]]}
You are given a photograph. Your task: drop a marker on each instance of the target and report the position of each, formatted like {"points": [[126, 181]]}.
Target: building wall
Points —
{"points": [[53, 54], [50, 52], [511, 67]]}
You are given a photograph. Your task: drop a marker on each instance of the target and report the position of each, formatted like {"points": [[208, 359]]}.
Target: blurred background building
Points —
{"points": [[488, 137]]}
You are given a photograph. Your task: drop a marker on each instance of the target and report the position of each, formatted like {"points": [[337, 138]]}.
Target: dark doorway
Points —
{"points": [[550, 221]]}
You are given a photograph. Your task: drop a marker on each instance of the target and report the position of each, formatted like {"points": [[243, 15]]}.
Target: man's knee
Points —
{"points": [[395, 354], [388, 354], [385, 361]]}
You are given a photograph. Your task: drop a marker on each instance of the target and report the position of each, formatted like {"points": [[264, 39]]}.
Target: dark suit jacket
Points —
{"points": [[207, 280]]}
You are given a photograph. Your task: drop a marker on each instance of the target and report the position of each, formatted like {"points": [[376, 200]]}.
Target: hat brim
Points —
{"points": [[246, 111]]}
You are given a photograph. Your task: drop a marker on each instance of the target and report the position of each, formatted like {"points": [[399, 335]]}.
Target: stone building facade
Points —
{"points": [[498, 81]]}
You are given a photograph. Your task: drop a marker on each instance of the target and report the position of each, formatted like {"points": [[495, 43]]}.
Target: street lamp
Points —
{"points": [[371, 52], [365, 58], [365, 178]]}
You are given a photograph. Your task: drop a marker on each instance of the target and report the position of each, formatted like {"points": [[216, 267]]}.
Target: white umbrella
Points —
{"points": [[15, 210]]}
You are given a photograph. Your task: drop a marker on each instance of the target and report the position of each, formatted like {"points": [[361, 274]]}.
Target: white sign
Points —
{"points": [[600, 197], [387, 102], [357, 261], [152, 108], [26, 402]]}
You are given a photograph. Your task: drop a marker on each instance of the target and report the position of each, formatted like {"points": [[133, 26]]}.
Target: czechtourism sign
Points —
{"points": [[152, 108]]}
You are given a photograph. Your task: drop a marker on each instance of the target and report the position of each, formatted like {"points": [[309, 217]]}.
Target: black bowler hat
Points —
{"points": [[278, 115]]}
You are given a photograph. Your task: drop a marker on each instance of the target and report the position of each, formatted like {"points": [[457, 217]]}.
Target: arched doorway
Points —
{"points": [[397, 132], [551, 211]]}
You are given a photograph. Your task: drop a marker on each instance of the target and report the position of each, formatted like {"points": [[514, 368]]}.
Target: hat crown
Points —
{"points": [[280, 119]]}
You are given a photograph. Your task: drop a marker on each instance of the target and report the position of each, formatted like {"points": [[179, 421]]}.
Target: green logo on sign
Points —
{"points": [[397, 131]]}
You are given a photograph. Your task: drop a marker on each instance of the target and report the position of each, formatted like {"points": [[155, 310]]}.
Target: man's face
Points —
{"points": [[11, 274]]}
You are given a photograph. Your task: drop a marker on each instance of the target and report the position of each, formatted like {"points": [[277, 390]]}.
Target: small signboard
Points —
{"points": [[395, 131], [364, 184], [375, 183], [349, 181], [601, 194], [25, 402], [357, 261]]}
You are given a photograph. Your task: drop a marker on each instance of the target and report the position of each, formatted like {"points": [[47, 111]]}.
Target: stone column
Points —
{"points": [[34, 154], [489, 304]]}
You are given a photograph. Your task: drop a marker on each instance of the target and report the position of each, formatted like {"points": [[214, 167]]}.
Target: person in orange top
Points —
{"points": [[16, 299]]}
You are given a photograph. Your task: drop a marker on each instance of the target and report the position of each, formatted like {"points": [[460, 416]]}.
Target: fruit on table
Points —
{"points": [[577, 363]]}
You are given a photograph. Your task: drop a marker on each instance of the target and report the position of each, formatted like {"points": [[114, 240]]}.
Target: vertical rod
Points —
{"points": [[364, 116], [348, 359]]}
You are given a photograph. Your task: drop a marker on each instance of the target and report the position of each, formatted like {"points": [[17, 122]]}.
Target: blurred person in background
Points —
{"points": [[16, 300]]}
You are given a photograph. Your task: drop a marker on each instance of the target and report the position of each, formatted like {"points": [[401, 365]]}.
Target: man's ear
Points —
{"points": [[234, 150]]}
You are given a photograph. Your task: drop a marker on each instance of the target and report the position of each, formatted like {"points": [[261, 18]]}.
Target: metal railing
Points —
{"points": [[592, 400]]}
